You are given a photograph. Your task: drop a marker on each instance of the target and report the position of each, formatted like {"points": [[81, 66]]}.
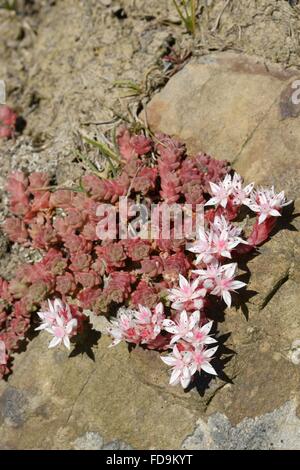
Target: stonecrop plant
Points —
{"points": [[157, 292]]}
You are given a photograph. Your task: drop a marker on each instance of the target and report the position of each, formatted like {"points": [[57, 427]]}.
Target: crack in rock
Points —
{"points": [[269, 296]]}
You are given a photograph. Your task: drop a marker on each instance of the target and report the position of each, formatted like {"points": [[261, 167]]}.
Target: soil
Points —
{"points": [[61, 59]]}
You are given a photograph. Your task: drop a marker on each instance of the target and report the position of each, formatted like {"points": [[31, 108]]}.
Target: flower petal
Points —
{"points": [[54, 342], [207, 367], [66, 341], [205, 329], [175, 376], [210, 352], [169, 360], [227, 298]]}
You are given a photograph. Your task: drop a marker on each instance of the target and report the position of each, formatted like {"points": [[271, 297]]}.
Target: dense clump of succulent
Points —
{"points": [[86, 273]]}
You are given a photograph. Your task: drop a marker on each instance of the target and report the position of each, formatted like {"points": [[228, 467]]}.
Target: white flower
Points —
{"points": [[62, 332], [201, 358], [119, 326], [220, 223], [187, 293], [221, 192], [208, 275], [240, 195], [59, 322], [200, 336], [137, 326], [48, 317], [182, 328], [267, 203], [202, 246], [155, 320], [158, 318], [143, 315], [222, 244], [225, 283], [181, 366], [221, 238], [230, 189]]}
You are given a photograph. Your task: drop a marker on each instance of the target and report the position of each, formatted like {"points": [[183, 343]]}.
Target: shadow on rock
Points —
{"points": [[85, 342]]}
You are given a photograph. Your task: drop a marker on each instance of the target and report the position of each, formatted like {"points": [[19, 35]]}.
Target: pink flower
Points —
{"points": [[200, 336], [122, 328], [138, 327], [145, 317], [201, 358], [225, 283], [221, 192], [240, 194], [230, 189], [223, 244], [181, 363], [225, 237], [267, 203], [217, 242], [220, 223], [207, 276], [48, 317], [150, 324], [183, 327], [202, 246], [59, 322], [187, 296], [3, 355]]}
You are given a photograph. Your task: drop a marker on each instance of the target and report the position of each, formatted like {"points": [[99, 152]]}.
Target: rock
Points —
{"points": [[89, 441], [121, 399], [94, 441], [233, 107], [230, 106], [277, 430]]}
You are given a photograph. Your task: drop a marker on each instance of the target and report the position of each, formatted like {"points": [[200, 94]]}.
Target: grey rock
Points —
{"points": [[13, 405], [89, 441], [279, 429], [94, 441]]}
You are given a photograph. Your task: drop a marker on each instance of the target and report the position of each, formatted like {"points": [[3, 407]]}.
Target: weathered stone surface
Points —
{"points": [[232, 108], [229, 105], [277, 430], [53, 401]]}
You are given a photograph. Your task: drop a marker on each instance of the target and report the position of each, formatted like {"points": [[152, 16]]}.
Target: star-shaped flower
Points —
{"points": [[183, 327], [181, 366], [267, 203], [188, 295]]}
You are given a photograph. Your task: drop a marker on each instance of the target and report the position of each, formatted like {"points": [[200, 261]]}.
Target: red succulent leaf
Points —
{"points": [[8, 120], [80, 262], [17, 189], [87, 279], [137, 249], [144, 295], [88, 297], [62, 198], [65, 284], [16, 230]]}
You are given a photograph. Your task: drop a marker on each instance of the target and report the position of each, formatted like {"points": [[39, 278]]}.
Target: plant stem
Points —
{"points": [[104, 148], [179, 11]]}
